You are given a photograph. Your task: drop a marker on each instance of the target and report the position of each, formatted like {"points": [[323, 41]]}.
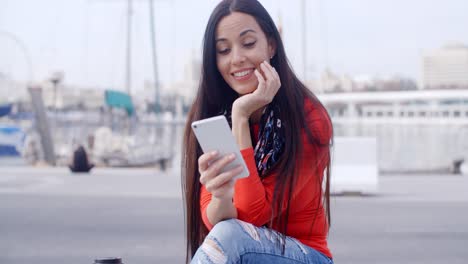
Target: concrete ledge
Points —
{"points": [[354, 165]]}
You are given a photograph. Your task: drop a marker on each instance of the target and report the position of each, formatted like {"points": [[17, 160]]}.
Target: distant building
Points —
{"points": [[446, 68], [192, 76], [187, 88], [330, 82], [71, 97]]}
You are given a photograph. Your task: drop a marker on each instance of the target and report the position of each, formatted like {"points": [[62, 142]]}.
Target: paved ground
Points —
{"points": [[51, 216]]}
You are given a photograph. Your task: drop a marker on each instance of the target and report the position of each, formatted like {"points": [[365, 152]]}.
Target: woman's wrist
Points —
{"points": [[237, 113], [239, 119], [220, 209], [221, 200], [241, 131]]}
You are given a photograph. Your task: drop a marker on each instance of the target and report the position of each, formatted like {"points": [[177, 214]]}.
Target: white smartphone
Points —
{"points": [[213, 134]]}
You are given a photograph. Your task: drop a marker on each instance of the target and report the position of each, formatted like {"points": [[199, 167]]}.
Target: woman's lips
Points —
{"points": [[243, 75]]}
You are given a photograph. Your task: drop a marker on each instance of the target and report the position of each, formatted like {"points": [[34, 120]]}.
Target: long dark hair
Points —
{"points": [[214, 95]]}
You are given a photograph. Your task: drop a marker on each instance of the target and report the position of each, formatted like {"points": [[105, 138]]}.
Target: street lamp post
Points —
{"points": [[56, 78]]}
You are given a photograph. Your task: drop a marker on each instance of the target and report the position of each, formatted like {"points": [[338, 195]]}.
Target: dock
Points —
{"points": [[52, 216]]}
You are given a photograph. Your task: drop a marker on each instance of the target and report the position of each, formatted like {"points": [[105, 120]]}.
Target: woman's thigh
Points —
{"points": [[235, 241]]}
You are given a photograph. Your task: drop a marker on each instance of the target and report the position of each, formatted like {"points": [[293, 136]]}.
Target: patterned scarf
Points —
{"points": [[270, 145]]}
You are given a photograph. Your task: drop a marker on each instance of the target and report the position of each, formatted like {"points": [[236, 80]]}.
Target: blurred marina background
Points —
{"points": [[403, 81], [118, 77]]}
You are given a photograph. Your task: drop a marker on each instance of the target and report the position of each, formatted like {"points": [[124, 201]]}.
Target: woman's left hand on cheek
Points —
{"points": [[268, 86]]}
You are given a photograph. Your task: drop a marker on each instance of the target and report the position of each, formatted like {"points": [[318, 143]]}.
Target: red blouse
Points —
{"points": [[253, 196]]}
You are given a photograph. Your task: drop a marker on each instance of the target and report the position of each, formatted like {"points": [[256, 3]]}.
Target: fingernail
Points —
{"points": [[214, 153], [232, 156]]}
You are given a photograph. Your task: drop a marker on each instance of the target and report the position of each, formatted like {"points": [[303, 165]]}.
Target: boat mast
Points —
{"points": [[155, 62], [304, 40], [128, 65]]}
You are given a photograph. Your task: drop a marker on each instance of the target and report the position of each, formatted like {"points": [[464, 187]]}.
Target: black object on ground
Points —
{"points": [[108, 260], [80, 161]]}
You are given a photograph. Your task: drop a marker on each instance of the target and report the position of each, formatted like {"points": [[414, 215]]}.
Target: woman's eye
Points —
{"points": [[250, 44], [223, 51]]}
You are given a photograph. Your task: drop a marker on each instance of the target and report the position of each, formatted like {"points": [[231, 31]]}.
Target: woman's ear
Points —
{"points": [[271, 48]]}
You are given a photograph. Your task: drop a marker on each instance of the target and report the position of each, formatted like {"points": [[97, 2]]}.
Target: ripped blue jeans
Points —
{"points": [[235, 241]]}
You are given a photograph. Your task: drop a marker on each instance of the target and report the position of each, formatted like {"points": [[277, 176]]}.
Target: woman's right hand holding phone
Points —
{"points": [[219, 184]]}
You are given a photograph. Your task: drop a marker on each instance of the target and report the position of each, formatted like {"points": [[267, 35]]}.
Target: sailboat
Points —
{"points": [[5, 109], [11, 140]]}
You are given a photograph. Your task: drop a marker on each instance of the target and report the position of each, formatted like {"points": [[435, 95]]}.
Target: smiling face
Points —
{"points": [[241, 45]]}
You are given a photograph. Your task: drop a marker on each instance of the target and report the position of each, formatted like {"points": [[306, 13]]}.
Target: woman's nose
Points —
{"points": [[238, 57]]}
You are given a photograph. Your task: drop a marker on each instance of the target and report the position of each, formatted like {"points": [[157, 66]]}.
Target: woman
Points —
{"points": [[280, 212]]}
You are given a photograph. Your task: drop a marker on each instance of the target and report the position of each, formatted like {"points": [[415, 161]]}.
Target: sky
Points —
{"points": [[86, 39]]}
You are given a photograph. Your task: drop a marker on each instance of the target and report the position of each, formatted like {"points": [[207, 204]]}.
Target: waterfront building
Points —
{"points": [[330, 82], [446, 68], [421, 106]]}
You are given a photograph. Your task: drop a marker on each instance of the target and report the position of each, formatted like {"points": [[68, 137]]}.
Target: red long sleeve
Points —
{"points": [[253, 196]]}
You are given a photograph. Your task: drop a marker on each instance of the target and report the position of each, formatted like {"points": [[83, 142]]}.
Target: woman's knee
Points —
{"points": [[225, 231], [226, 241], [220, 244], [234, 234]]}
